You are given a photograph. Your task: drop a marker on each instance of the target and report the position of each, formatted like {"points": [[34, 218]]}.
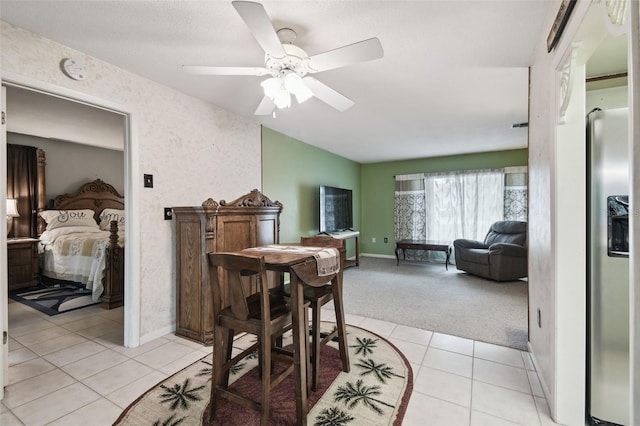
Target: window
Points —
{"points": [[460, 204]]}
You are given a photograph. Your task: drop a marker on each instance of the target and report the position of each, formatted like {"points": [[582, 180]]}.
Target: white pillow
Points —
{"points": [[61, 218], [108, 215]]}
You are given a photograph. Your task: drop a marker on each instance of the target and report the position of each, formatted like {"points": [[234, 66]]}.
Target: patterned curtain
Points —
{"points": [[410, 212], [515, 193]]}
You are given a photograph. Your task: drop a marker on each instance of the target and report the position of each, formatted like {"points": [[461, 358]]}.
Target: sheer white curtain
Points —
{"points": [[463, 204]]}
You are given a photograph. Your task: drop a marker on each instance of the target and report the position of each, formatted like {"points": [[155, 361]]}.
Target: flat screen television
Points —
{"points": [[336, 209]]}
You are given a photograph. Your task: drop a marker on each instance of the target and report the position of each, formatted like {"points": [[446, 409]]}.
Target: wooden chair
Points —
{"points": [[318, 292], [249, 307]]}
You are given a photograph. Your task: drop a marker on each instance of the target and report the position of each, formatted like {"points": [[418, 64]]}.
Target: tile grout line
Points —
{"points": [[427, 346], [473, 366]]}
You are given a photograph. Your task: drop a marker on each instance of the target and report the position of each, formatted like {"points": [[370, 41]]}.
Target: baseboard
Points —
{"points": [[543, 383], [157, 333], [384, 256]]}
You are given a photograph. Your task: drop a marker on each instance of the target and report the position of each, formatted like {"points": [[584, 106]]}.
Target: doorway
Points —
{"points": [[131, 286]]}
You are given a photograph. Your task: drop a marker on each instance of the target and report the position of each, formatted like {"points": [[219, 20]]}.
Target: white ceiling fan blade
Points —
{"points": [[207, 70], [328, 95], [256, 18], [362, 51], [266, 107]]}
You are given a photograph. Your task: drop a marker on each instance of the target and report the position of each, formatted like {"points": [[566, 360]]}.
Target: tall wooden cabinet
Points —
{"points": [[250, 221]]}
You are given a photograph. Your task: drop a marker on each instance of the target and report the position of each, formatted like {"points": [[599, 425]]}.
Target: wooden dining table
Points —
{"points": [[282, 258]]}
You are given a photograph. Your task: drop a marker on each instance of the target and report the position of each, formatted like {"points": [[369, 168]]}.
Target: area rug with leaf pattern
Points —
{"points": [[376, 391]]}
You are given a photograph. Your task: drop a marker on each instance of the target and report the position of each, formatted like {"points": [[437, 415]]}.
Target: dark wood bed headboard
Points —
{"points": [[96, 195]]}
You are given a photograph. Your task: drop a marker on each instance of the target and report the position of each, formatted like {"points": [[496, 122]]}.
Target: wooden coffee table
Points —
{"points": [[425, 245]]}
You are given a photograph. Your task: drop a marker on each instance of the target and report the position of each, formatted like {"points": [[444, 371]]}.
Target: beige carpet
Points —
{"points": [[425, 295], [375, 391]]}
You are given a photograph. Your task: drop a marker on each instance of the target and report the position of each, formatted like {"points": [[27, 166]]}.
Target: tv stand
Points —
{"points": [[344, 236]]}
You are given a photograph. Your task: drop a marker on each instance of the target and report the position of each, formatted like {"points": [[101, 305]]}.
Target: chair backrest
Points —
{"points": [[326, 241], [507, 231], [238, 277], [321, 241]]}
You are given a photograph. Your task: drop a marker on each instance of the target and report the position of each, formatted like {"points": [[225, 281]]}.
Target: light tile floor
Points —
{"points": [[72, 369]]}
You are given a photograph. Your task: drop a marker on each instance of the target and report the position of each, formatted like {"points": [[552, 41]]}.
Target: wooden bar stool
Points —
{"points": [[318, 291], [248, 307]]}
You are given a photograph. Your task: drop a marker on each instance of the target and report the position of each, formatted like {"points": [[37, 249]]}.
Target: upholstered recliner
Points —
{"points": [[502, 256]]}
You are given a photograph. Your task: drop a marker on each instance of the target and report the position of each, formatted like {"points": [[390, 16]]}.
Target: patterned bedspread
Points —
{"points": [[79, 257]]}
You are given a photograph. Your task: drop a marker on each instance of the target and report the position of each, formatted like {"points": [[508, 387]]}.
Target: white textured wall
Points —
{"points": [[556, 228], [91, 163], [540, 233], [570, 256], [194, 150], [612, 98], [545, 243]]}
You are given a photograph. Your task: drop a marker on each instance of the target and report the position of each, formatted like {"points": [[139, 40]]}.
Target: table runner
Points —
{"points": [[327, 258]]}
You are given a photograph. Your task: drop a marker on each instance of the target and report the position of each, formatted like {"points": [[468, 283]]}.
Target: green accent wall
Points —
{"points": [[292, 171], [378, 188]]}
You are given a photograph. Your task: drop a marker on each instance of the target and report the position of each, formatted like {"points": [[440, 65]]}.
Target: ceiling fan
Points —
{"points": [[288, 65]]}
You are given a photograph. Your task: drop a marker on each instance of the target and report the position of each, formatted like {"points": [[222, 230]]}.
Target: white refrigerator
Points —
{"points": [[608, 186]]}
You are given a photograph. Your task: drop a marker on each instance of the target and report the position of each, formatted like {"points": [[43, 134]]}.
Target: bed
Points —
{"points": [[82, 240]]}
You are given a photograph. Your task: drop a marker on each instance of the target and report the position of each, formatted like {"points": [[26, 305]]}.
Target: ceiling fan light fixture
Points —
{"points": [[303, 94], [294, 85], [287, 64], [275, 90], [292, 82], [303, 97], [279, 89], [272, 87], [282, 99]]}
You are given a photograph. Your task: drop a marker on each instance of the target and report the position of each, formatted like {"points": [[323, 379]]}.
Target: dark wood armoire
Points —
{"points": [[249, 221]]}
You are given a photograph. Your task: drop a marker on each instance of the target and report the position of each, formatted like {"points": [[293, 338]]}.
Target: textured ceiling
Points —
{"points": [[453, 77]]}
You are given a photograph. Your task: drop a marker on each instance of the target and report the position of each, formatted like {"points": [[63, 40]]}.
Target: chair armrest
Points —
{"points": [[463, 243], [508, 249]]}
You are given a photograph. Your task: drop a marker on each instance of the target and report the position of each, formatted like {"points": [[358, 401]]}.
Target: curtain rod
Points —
{"points": [[606, 77]]}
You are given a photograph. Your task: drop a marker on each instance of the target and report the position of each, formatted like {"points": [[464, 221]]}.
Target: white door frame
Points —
{"points": [[4, 301], [132, 181]]}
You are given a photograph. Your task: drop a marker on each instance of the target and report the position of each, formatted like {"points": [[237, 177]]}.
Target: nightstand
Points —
{"points": [[22, 262]]}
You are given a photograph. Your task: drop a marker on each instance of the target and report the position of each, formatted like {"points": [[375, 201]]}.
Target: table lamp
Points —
{"points": [[12, 211]]}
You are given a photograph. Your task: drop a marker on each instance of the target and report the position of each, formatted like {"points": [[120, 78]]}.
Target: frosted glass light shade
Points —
{"points": [[303, 93], [294, 84], [271, 87], [279, 89], [282, 99]]}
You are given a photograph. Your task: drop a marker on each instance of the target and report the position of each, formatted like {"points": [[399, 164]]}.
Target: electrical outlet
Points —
{"points": [[373, 240], [386, 240], [148, 181], [539, 319], [168, 213]]}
